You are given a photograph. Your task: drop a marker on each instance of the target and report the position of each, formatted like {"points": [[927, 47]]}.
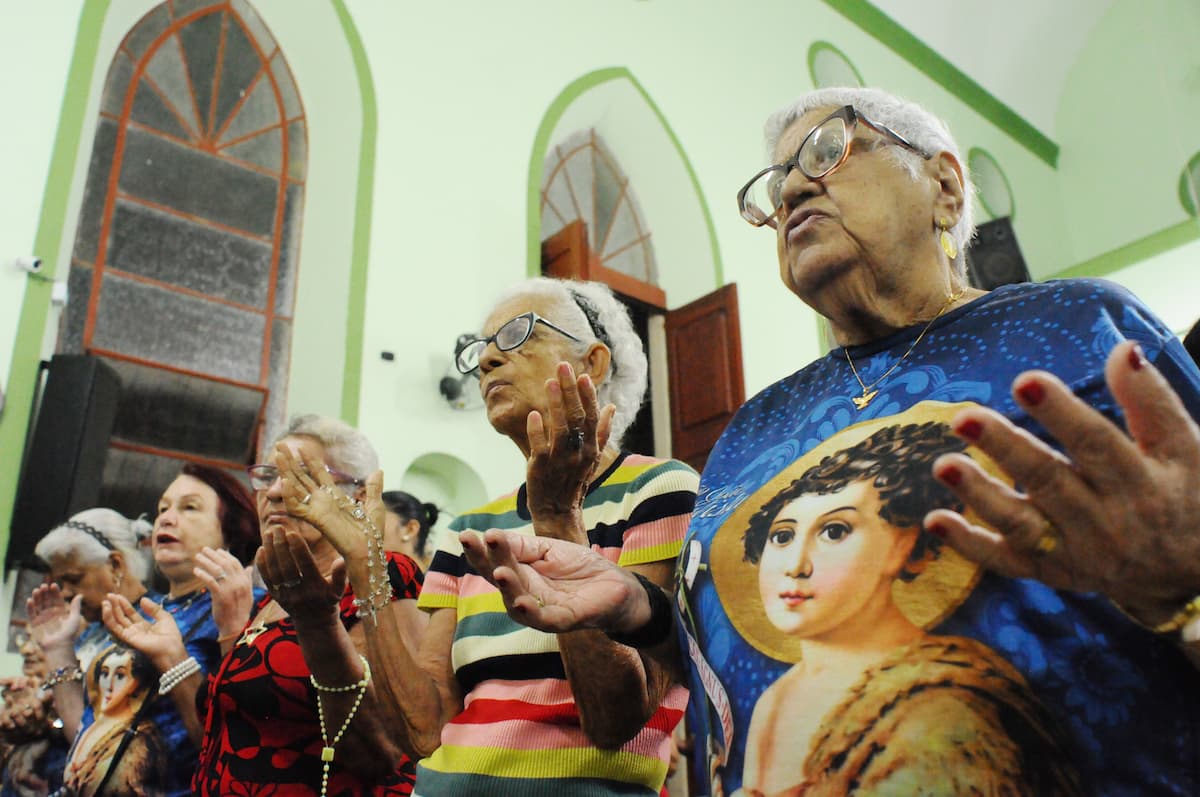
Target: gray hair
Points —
{"points": [[921, 128], [590, 312], [346, 448], [91, 535]]}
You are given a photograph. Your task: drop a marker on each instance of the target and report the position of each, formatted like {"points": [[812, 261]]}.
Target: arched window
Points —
{"points": [[1189, 186], [184, 265], [582, 180], [830, 67], [991, 184]]}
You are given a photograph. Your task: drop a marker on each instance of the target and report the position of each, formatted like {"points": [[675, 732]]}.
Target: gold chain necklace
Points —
{"points": [[868, 391]]}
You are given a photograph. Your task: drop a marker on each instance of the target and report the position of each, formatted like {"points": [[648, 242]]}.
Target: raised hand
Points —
{"points": [[53, 623], [555, 585], [310, 494], [563, 455], [295, 581], [230, 585], [25, 714], [1114, 513], [157, 638]]}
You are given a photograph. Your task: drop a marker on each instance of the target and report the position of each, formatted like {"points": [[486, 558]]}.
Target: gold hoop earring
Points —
{"points": [[949, 245]]}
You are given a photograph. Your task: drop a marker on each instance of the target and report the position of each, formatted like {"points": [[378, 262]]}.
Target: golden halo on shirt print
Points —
{"points": [[943, 581]]}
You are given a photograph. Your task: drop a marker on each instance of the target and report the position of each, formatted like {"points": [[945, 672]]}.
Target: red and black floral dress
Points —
{"points": [[261, 732]]}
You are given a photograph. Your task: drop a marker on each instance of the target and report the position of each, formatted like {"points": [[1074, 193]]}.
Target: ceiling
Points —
{"points": [[1020, 51]]}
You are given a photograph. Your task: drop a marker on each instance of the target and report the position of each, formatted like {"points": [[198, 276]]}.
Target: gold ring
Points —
{"points": [[541, 603], [1048, 541]]}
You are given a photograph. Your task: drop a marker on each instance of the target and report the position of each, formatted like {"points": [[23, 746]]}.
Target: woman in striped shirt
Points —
{"points": [[491, 706]]}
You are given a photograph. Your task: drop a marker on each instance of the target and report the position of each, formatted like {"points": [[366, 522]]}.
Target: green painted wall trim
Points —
{"points": [[541, 143], [27, 351], [1142, 249], [820, 46], [883, 28], [356, 311]]}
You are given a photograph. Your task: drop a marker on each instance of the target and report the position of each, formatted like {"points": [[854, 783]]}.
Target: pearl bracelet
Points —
{"points": [[178, 674]]}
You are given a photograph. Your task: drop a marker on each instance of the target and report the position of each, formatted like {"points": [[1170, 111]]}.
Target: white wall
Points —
{"points": [[39, 38]]}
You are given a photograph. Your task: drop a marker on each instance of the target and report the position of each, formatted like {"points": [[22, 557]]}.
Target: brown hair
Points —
{"points": [[235, 511], [898, 462]]}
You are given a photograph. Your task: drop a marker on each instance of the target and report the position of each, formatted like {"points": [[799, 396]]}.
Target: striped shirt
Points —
{"points": [[519, 731]]}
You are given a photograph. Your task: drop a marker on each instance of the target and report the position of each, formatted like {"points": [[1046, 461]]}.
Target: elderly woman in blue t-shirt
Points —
{"points": [[1090, 570]]}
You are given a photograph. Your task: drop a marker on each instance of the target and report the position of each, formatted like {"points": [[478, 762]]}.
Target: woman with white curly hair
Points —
{"points": [[1080, 571], [94, 553], [494, 707]]}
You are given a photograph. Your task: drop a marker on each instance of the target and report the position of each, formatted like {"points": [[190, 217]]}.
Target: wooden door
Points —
{"points": [[704, 359]]}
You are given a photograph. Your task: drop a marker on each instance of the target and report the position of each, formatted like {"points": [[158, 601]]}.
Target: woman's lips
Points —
{"points": [[794, 598], [804, 222]]}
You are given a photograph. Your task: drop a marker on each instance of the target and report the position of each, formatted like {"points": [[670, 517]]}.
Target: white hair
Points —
{"points": [[91, 535], [918, 126], [346, 448], [590, 312]]}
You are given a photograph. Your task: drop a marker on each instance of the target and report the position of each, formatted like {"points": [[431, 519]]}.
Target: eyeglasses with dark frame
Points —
{"points": [[822, 151], [512, 334], [263, 476]]}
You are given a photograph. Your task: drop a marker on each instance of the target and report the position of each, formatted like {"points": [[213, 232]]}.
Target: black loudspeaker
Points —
{"points": [[64, 463], [993, 258]]}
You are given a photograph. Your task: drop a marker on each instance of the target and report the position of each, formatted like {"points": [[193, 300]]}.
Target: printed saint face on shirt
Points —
{"points": [[119, 682], [846, 587]]}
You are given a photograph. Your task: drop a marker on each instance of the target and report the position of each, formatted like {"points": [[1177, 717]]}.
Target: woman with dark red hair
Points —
{"points": [[205, 533]]}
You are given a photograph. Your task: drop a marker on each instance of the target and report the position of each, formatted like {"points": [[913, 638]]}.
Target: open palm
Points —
{"points": [[157, 638]]}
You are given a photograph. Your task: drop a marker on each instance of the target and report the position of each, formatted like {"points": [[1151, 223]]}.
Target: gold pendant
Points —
{"points": [[252, 633], [862, 401]]}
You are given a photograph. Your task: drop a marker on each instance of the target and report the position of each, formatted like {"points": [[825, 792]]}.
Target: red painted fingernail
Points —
{"points": [[1137, 358], [937, 530], [950, 475], [1031, 393], [970, 429]]}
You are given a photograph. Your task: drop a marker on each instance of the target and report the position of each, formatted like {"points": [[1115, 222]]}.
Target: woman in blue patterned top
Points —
{"points": [[1092, 569], [204, 531]]}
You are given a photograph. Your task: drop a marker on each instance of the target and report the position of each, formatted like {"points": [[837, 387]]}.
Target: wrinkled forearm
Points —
{"points": [[68, 704], [617, 688], [419, 698]]}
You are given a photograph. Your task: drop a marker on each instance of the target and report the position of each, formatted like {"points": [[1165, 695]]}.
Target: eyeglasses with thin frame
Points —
{"points": [[511, 335], [263, 476], [822, 151]]}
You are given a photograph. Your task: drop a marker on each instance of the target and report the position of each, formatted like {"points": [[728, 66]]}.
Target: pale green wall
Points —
{"points": [[1127, 126], [460, 91]]}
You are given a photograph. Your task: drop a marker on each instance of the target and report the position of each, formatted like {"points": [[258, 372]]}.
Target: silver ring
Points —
{"points": [[288, 584], [306, 498], [221, 576], [575, 440]]}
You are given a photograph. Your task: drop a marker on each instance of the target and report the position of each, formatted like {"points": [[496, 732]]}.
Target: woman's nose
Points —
{"points": [[796, 189], [490, 357], [801, 567]]}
